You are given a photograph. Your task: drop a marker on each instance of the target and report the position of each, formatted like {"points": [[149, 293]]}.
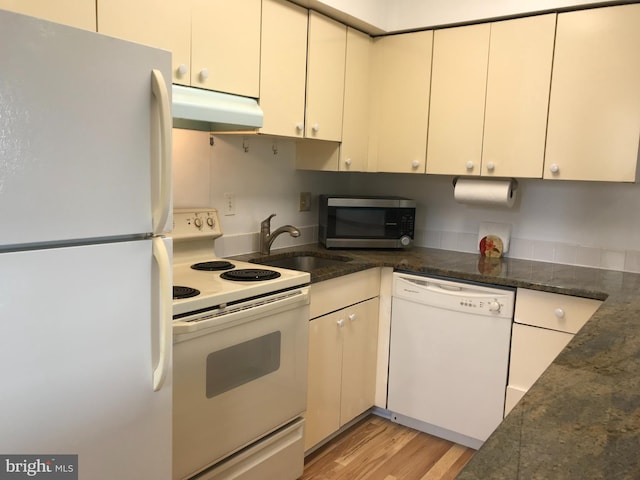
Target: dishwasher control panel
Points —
{"points": [[451, 294]]}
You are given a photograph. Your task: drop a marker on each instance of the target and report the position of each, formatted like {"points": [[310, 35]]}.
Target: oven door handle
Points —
{"points": [[161, 256]]}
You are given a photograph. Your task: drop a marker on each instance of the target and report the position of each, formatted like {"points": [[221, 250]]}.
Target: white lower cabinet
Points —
{"points": [[342, 353], [544, 324]]}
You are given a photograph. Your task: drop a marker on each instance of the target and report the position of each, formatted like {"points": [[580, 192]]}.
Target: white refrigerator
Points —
{"points": [[85, 272]]}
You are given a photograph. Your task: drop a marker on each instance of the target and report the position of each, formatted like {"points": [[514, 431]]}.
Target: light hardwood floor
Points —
{"points": [[378, 449]]}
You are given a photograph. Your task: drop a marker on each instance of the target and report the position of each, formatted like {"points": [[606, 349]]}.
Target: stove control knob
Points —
{"points": [[405, 240], [198, 222], [211, 222], [494, 306]]}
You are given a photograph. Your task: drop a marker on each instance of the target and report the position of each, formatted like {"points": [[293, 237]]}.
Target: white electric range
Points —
{"points": [[240, 360], [199, 275]]}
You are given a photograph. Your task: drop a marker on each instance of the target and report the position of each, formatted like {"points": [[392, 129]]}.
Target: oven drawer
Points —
{"points": [[280, 455]]}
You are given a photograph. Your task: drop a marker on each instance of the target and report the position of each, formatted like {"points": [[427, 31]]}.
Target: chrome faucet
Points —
{"points": [[267, 238]]}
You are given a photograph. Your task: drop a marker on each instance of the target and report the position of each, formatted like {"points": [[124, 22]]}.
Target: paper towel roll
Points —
{"points": [[479, 191]]}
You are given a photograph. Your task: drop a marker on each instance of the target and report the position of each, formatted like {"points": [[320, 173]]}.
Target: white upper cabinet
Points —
{"points": [[489, 98], [458, 84], [594, 111], [283, 67], [225, 46], [354, 151], [162, 24], [215, 43], [518, 82], [401, 75], [326, 52], [75, 13]]}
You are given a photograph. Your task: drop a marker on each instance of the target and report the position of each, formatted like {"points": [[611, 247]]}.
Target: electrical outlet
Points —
{"points": [[229, 203], [305, 202]]}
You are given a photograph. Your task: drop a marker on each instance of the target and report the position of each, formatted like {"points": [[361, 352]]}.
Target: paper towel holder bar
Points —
{"points": [[514, 182]]}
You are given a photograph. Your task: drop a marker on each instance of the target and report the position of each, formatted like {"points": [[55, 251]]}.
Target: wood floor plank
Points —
{"points": [[378, 449]]}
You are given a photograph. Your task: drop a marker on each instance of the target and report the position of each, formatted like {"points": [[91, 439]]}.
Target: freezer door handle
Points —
{"points": [[165, 317], [161, 142]]}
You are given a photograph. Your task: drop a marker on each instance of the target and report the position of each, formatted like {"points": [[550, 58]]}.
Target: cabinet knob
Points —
{"points": [[469, 165], [340, 322], [491, 166], [559, 313], [415, 164], [181, 70], [352, 317], [554, 168], [347, 162], [204, 74], [300, 126], [315, 128]]}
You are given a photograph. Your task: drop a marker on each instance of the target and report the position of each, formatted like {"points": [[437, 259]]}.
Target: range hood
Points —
{"points": [[197, 109]]}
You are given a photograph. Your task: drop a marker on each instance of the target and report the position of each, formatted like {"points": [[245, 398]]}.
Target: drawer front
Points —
{"points": [[551, 310], [340, 292]]}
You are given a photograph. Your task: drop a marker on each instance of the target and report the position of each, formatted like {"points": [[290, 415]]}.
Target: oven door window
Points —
{"points": [[239, 364]]}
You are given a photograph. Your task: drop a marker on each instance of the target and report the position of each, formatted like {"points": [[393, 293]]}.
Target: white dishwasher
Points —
{"points": [[449, 356]]}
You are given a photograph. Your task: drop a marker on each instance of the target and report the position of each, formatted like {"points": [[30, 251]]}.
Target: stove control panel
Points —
{"points": [[196, 223]]}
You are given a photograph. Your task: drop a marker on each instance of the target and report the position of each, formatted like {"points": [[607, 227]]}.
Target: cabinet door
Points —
{"points": [[532, 351], [359, 356], [458, 85], [163, 24], [518, 81], [594, 109], [355, 118], [76, 13], [401, 76], [325, 78], [283, 67], [225, 46], [323, 392]]}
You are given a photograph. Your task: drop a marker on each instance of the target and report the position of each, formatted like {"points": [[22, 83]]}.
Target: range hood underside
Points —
{"points": [[197, 109]]}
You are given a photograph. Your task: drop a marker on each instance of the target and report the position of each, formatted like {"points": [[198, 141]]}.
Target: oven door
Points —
{"points": [[237, 377]]}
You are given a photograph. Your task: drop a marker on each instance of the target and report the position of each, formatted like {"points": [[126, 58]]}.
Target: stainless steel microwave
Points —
{"points": [[347, 221]]}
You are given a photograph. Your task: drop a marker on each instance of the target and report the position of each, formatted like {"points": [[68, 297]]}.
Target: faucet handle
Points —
{"points": [[267, 221]]}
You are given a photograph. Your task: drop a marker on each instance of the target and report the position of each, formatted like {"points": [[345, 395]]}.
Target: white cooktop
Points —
{"points": [[194, 233]]}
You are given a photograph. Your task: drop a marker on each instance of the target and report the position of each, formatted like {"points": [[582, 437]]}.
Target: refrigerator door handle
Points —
{"points": [[164, 322], [162, 202]]}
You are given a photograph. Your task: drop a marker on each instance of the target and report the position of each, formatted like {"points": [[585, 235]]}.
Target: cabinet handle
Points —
{"points": [[415, 164], [204, 74], [340, 322], [554, 168], [491, 166], [559, 313], [299, 126], [469, 165], [352, 317], [181, 70], [315, 128], [347, 162]]}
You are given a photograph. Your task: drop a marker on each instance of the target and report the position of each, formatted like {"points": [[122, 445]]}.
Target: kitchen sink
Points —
{"points": [[303, 261]]}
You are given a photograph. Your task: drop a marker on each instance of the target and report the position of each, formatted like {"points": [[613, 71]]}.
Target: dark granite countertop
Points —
{"points": [[581, 419]]}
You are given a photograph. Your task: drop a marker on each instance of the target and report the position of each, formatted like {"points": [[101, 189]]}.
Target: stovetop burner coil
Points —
{"points": [[250, 275], [212, 266], [180, 292]]}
